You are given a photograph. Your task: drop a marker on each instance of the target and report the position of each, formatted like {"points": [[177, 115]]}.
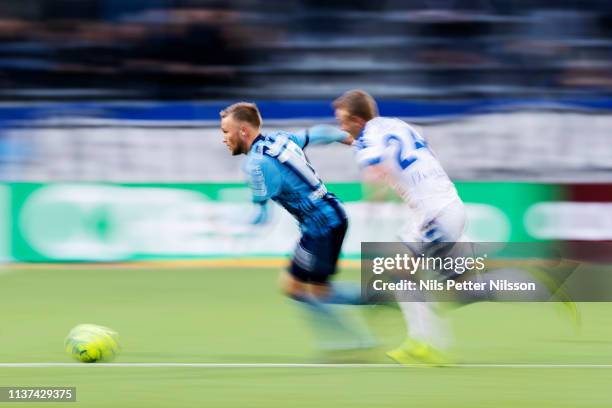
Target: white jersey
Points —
{"points": [[413, 170]]}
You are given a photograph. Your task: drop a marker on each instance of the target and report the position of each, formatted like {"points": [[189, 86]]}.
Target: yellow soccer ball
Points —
{"points": [[91, 343]]}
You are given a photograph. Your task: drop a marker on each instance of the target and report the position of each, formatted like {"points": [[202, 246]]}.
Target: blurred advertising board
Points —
{"points": [[122, 222]]}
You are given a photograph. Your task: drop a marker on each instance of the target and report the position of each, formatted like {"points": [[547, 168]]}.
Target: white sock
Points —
{"points": [[425, 324]]}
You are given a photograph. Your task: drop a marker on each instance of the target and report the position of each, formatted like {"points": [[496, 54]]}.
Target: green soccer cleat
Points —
{"points": [[412, 352], [568, 307]]}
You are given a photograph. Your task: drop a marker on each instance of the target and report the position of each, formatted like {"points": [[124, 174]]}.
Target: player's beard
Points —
{"points": [[238, 149]]}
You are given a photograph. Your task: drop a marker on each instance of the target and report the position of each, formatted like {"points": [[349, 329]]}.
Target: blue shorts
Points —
{"points": [[316, 257]]}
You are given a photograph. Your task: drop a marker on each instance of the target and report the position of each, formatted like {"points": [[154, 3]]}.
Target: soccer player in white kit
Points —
{"points": [[389, 150]]}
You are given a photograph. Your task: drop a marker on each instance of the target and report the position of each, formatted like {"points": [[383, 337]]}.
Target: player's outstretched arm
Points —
{"points": [[326, 134]]}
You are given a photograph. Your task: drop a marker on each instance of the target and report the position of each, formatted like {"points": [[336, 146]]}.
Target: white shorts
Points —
{"points": [[446, 226]]}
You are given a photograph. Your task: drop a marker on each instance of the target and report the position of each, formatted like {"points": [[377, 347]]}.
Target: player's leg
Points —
{"points": [[308, 282], [333, 328], [428, 333]]}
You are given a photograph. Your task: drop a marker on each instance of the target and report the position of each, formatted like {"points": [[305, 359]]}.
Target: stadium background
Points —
{"points": [[129, 92], [110, 152]]}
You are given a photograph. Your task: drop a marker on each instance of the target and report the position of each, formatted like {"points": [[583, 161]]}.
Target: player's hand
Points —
{"points": [[375, 174], [348, 140], [262, 215]]}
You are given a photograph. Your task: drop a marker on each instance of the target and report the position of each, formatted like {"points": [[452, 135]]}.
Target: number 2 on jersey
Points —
{"points": [[401, 161]]}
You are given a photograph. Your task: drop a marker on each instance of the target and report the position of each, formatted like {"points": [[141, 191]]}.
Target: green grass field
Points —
{"points": [[205, 315]]}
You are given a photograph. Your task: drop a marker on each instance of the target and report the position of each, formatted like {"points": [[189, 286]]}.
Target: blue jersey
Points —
{"points": [[277, 169]]}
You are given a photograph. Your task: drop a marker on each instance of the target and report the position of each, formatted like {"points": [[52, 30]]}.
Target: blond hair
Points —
{"points": [[243, 112]]}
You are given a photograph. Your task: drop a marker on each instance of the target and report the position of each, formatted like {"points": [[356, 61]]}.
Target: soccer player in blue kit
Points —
{"points": [[278, 170]]}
